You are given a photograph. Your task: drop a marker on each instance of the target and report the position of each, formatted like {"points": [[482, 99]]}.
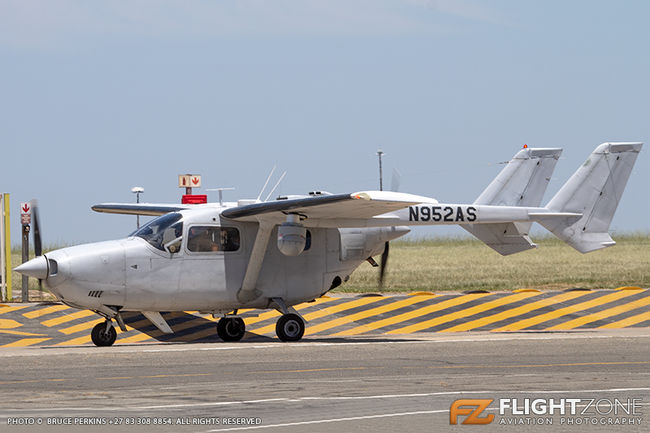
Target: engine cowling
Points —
{"points": [[292, 236]]}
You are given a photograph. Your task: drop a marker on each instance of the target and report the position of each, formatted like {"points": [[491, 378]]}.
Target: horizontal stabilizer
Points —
{"points": [[504, 238]]}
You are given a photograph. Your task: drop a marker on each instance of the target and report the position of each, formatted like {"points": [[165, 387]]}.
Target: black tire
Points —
{"points": [[231, 328], [290, 327], [101, 337]]}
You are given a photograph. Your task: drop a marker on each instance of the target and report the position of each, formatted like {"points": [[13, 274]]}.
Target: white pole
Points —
{"points": [[2, 248]]}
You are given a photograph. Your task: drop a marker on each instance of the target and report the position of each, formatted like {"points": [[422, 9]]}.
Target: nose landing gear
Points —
{"points": [[104, 334]]}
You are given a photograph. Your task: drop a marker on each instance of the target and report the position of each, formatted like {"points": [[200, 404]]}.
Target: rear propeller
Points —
{"points": [[384, 262]]}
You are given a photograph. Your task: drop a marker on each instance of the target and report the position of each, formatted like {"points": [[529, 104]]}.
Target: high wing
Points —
{"points": [[337, 210], [152, 209]]}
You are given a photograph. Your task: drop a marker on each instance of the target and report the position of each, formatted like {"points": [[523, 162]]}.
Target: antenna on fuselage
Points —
{"points": [[220, 193], [265, 183], [276, 185]]}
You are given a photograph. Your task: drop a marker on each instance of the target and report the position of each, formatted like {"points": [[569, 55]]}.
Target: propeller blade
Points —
{"points": [[36, 230], [384, 262]]}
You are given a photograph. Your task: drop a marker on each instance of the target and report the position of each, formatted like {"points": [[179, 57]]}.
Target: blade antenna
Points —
{"points": [[276, 185], [266, 183]]}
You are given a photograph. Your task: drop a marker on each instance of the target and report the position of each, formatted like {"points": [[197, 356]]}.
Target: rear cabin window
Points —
{"points": [[203, 239]]}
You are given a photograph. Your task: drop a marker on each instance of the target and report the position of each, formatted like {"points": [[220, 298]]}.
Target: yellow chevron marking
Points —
{"points": [[8, 324], [325, 312], [81, 326], [68, 318], [5, 309], [26, 334], [44, 311], [23, 342], [628, 321], [367, 313], [412, 314], [462, 313], [514, 312], [602, 314], [525, 323]]}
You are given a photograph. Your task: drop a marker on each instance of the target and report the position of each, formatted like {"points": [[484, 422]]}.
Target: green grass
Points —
{"points": [[467, 264]]}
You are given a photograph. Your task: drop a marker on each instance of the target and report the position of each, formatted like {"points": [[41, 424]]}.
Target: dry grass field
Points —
{"points": [[467, 264]]}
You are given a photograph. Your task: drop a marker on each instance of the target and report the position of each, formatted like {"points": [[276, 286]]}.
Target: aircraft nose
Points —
{"points": [[36, 268]]}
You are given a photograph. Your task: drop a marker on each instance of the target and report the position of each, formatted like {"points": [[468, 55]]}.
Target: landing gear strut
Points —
{"points": [[103, 334], [290, 327], [231, 328]]}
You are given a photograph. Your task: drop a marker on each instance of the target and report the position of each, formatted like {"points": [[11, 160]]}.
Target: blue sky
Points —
{"points": [[98, 97]]}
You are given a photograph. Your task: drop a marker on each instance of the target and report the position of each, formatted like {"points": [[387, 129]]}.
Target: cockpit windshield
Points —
{"points": [[162, 230]]}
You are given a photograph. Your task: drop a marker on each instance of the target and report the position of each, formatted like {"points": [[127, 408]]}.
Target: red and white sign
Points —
{"points": [[189, 181], [25, 213]]}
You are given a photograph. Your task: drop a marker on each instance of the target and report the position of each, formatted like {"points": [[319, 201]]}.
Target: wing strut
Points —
{"points": [[248, 292]]}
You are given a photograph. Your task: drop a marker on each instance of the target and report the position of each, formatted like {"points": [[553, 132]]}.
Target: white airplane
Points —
{"points": [[216, 257]]}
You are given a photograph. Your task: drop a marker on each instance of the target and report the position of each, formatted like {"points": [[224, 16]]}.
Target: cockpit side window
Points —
{"points": [[202, 239], [162, 230]]}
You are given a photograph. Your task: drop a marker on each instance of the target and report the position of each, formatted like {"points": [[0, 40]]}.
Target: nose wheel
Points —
{"points": [[103, 334], [231, 328], [290, 327]]}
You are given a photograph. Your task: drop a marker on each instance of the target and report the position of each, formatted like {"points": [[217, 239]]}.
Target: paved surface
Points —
{"points": [[384, 383], [58, 325]]}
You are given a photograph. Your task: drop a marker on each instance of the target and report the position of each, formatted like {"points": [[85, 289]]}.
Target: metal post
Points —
{"points": [[25, 291], [381, 176], [3, 285], [7, 245], [137, 200], [137, 190]]}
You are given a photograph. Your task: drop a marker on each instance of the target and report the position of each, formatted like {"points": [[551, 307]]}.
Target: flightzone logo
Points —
{"points": [[547, 411]]}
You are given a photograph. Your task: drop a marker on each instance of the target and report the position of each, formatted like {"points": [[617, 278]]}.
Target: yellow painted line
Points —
{"points": [[26, 334], [412, 314], [602, 314], [312, 370], [514, 312], [367, 313], [44, 311], [628, 288], [23, 342], [358, 302], [462, 313], [82, 326], [68, 318], [4, 310], [525, 323], [9, 324], [628, 321]]}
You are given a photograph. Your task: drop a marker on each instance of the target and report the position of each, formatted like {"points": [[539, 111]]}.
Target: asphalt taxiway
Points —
{"points": [[379, 384]]}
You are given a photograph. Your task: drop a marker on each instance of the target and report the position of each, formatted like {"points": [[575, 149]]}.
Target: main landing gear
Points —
{"points": [[104, 334], [231, 328], [290, 327]]}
